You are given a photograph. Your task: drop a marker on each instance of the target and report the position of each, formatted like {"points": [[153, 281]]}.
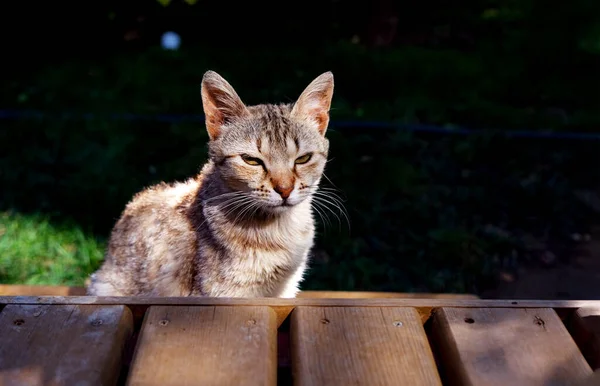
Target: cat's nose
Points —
{"points": [[283, 191]]}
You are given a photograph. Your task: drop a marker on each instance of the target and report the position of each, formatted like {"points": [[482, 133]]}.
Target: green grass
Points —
{"points": [[33, 250]]}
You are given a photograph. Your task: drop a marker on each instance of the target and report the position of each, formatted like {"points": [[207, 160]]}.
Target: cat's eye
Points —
{"points": [[304, 159], [251, 160]]}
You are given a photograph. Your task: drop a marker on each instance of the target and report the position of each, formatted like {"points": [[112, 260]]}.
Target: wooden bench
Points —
{"points": [[356, 339]]}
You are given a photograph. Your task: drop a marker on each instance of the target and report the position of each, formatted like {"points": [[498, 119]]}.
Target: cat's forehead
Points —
{"points": [[272, 124], [270, 129]]}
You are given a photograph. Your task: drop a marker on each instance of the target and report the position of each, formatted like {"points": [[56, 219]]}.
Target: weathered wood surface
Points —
{"points": [[283, 307], [381, 295], [585, 327], [367, 338], [206, 346], [507, 347], [315, 302], [40, 290], [62, 345], [592, 380], [360, 346]]}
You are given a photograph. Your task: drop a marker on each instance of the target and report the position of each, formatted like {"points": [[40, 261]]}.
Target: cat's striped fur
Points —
{"points": [[244, 226]]}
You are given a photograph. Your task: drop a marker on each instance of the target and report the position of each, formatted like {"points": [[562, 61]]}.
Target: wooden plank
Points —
{"points": [[360, 346], [206, 346], [40, 290], [284, 306], [62, 345], [381, 295], [280, 302], [506, 347], [585, 328], [592, 380]]}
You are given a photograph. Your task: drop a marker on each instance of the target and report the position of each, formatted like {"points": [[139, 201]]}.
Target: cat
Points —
{"points": [[244, 226]]}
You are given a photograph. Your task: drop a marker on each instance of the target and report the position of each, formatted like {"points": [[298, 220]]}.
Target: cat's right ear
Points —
{"points": [[220, 102], [315, 101]]}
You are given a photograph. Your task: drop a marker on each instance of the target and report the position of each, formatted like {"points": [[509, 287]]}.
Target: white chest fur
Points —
{"points": [[266, 261]]}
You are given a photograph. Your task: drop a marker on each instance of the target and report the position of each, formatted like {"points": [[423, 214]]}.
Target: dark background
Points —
{"points": [[464, 134]]}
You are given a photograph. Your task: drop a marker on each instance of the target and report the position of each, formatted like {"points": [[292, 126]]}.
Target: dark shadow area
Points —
{"points": [[284, 356]]}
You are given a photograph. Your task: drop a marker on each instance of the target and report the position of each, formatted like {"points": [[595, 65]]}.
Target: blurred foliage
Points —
{"points": [[428, 212]]}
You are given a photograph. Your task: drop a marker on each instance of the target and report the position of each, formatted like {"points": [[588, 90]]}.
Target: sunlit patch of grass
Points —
{"points": [[33, 250]]}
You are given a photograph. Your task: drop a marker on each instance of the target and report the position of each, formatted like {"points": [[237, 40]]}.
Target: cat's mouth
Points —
{"points": [[282, 206]]}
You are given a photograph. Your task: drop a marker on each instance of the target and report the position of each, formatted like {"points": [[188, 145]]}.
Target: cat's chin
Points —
{"points": [[282, 208]]}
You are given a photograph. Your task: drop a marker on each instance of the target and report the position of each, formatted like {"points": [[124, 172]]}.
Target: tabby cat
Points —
{"points": [[244, 226]]}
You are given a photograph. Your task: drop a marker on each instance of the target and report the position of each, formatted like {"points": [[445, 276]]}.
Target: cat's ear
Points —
{"points": [[315, 101], [220, 102]]}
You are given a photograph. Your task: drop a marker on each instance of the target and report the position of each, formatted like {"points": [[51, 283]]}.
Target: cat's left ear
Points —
{"points": [[314, 103], [221, 103]]}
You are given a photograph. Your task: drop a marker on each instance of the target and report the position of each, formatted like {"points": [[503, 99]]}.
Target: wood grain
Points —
{"points": [[592, 380], [360, 346], [206, 346], [381, 295], [40, 290], [283, 307], [507, 347], [316, 302], [585, 328], [62, 345]]}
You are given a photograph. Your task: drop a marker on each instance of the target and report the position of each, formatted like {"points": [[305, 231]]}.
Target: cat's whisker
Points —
{"points": [[329, 188], [232, 204], [246, 209], [256, 208], [323, 188], [228, 203], [340, 206], [229, 194], [223, 195], [332, 192], [326, 192], [327, 214], [238, 205], [233, 201], [324, 220], [324, 205], [331, 195], [328, 179], [329, 199]]}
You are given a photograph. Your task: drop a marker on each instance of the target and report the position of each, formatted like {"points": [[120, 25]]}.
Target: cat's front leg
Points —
{"points": [[99, 286], [290, 292], [291, 287]]}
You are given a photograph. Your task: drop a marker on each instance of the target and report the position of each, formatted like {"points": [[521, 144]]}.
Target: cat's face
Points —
{"points": [[273, 155]]}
